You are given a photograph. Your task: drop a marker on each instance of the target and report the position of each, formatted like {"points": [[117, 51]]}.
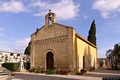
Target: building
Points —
{"points": [[106, 63], [58, 46], [12, 57]]}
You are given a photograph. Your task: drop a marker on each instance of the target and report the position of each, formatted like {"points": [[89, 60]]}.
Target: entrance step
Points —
{"points": [[4, 72]]}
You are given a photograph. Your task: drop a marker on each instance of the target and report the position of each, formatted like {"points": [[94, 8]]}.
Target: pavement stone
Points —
{"points": [[93, 75]]}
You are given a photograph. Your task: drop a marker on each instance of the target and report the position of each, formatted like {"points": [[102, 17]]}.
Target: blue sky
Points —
{"points": [[20, 18]]}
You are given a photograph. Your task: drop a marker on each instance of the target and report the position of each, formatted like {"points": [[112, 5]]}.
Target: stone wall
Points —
{"points": [[57, 39]]}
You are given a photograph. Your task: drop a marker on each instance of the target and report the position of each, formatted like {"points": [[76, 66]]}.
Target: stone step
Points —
{"points": [[3, 76], [4, 72], [1, 71]]}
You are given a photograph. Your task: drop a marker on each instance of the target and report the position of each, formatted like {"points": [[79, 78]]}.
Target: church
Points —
{"points": [[59, 46]]}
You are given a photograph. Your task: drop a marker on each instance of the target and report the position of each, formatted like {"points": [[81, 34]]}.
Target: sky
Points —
{"points": [[20, 18]]}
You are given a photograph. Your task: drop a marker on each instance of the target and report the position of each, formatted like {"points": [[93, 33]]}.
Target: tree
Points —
{"points": [[92, 33], [110, 56], [117, 52], [114, 55], [27, 50]]}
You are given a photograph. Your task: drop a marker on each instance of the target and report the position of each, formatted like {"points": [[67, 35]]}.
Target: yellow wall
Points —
{"points": [[87, 50]]}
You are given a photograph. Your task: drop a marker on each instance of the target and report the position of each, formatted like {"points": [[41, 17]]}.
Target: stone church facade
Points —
{"points": [[58, 46]]}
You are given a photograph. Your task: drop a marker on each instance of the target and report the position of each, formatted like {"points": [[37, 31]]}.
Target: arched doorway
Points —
{"points": [[49, 60]]}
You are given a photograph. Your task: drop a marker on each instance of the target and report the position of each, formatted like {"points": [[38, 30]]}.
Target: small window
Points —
{"points": [[18, 54], [11, 54]]}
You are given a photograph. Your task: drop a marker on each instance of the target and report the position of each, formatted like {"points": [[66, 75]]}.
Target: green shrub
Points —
{"points": [[38, 70], [27, 65], [11, 66], [48, 71], [51, 71]]}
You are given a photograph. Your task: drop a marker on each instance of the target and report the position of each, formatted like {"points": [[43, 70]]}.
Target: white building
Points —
{"points": [[12, 57]]}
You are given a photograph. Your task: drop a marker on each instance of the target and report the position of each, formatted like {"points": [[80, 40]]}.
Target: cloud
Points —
{"points": [[2, 29], [106, 7], [65, 9], [104, 48], [12, 6], [5, 46], [19, 45], [102, 52], [1, 34]]}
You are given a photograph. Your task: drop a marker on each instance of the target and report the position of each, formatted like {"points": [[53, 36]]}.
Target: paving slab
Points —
{"points": [[93, 75]]}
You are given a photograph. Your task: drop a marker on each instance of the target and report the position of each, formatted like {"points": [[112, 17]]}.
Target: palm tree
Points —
{"points": [[114, 55], [109, 53], [110, 56]]}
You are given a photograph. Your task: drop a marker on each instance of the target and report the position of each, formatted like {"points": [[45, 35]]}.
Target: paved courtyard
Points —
{"points": [[93, 75]]}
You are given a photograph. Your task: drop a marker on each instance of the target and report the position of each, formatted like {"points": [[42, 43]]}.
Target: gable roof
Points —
{"points": [[53, 24]]}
